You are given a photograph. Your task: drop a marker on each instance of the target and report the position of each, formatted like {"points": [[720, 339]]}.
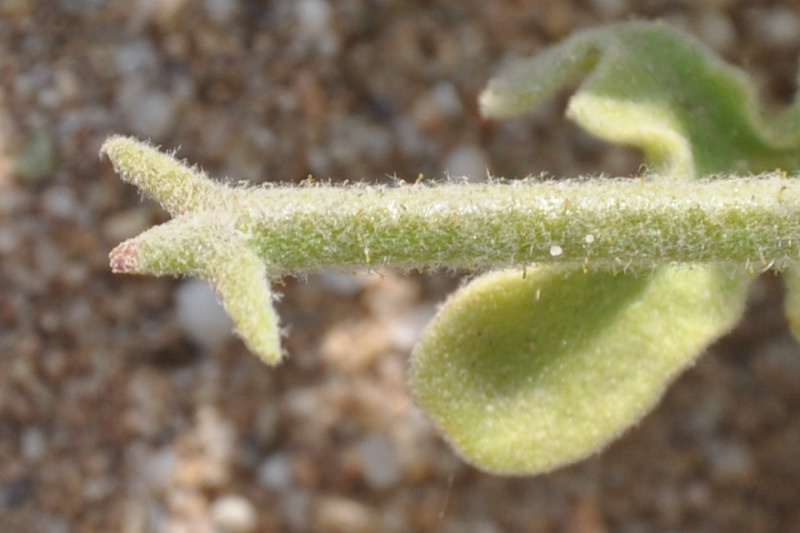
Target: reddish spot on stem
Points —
{"points": [[122, 259]]}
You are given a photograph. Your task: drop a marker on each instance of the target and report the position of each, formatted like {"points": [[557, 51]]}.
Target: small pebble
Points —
{"points": [[221, 11], [432, 110], [405, 330], [343, 284], [200, 314], [216, 436], [33, 444], [149, 112], [342, 515], [778, 25], [731, 462], [313, 16], [276, 472], [379, 461], [717, 30], [137, 57], [468, 162], [314, 27], [354, 139], [60, 202], [157, 468], [234, 514], [446, 97]]}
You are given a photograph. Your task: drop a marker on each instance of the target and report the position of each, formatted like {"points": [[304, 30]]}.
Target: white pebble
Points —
{"points": [[446, 98], [234, 514], [717, 30], [355, 139], [313, 16], [778, 26], [157, 468], [60, 202], [556, 250], [200, 314], [467, 161], [276, 472], [33, 444], [314, 25], [379, 461], [221, 10], [343, 284], [337, 514], [149, 112], [138, 57], [413, 143], [405, 330]]}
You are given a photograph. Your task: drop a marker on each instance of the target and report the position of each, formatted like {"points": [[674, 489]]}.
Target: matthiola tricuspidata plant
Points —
{"points": [[598, 292]]}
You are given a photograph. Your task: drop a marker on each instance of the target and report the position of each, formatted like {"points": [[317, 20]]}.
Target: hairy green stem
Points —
{"points": [[606, 224], [238, 237], [601, 223]]}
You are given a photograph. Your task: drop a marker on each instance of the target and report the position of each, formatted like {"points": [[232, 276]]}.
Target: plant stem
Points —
{"points": [[600, 224]]}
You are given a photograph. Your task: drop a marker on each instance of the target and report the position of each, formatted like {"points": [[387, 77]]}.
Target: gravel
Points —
{"points": [[126, 405]]}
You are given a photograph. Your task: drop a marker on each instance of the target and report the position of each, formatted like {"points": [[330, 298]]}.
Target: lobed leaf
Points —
{"points": [[528, 373], [655, 88]]}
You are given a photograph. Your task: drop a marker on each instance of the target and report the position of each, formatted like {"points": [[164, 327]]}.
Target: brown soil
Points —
{"points": [[113, 419]]}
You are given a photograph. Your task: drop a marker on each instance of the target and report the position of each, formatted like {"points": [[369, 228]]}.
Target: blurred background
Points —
{"points": [[127, 406]]}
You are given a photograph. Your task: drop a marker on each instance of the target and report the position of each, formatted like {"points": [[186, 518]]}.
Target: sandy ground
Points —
{"points": [[118, 412]]}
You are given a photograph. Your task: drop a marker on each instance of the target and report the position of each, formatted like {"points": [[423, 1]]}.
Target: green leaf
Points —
{"points": [[657, 89], [525, 374], [200, 245], [178, 187]]}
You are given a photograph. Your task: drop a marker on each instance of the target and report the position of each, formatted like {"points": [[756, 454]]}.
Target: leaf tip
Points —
{"points": [[123, 259]]}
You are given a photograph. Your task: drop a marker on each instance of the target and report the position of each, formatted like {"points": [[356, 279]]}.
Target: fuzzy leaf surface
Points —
{"points": [[655, 88], [527, 374]]}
